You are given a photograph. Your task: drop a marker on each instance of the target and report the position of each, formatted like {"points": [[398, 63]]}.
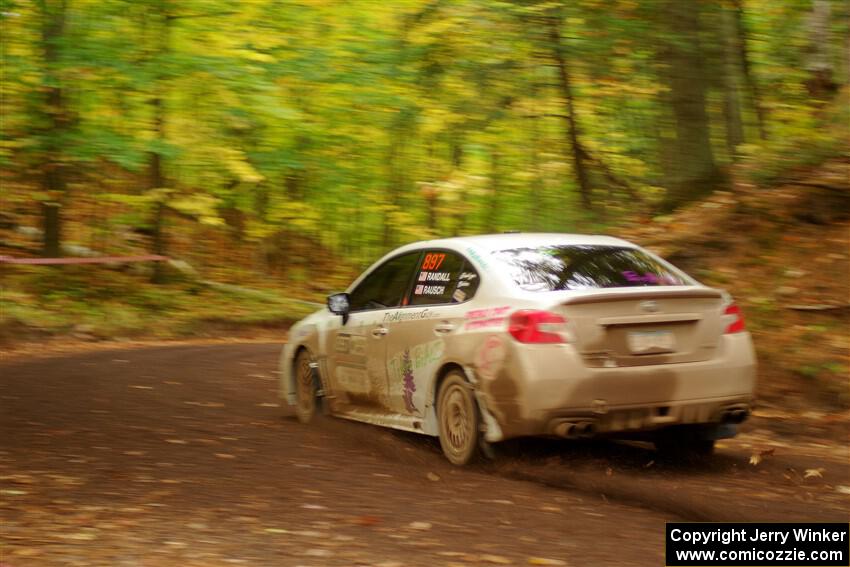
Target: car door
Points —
{"points": [[417, 334], [357, 349]]}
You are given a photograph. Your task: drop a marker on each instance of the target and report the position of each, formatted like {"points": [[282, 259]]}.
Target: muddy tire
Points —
{"points": [[457, 416], [684, 443], [306, 401]]}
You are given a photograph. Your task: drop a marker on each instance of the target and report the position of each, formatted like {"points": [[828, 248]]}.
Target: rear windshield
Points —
{"points": [[551, 268]]}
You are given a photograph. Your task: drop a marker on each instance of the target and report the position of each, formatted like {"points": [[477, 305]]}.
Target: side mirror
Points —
{"points": [[340, 304]]}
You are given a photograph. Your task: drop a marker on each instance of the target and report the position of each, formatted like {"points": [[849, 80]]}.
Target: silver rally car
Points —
{"points": [[486, 338]]}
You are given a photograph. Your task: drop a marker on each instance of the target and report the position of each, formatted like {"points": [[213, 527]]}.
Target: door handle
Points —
{"points": [[444, 328], [379, 332]]}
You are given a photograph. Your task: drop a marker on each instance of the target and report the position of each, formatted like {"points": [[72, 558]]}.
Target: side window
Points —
{"points": [[467, 283], [443, 277], [387, 285]]}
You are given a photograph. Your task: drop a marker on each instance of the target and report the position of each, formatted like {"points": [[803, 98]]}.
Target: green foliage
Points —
{"points": [[104, 303], [363, 126]]}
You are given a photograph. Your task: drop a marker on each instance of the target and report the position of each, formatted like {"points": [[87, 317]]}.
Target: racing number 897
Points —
{"points": [[433, 261]]}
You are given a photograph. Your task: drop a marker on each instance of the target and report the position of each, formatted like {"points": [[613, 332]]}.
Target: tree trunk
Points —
{"points": [[570, 122], [536, 208], [232, 215], [741, 37], [295, 179], [356, 246], [53, 17], [156, 176], [261, 200], [159, 241], [731, 85], [431, 200], [392, 193], [430, 190], [820, 83], [457, 163], [495, 191], [695, 173], [52, 226], [395, 175]]}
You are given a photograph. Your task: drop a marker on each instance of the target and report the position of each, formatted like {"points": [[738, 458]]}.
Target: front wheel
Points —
{"points": [[306, 400], [457, 414]]}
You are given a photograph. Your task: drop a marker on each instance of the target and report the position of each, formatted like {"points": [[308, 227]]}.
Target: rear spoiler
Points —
{"points": [[643, 293]]}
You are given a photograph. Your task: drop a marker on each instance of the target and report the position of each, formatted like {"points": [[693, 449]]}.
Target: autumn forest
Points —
{"points": [[362, 125]]}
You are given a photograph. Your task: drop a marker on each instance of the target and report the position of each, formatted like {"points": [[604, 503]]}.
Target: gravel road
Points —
{"points": [[184, 456]]}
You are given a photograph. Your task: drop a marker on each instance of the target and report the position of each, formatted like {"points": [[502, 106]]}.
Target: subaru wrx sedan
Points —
{"points": [[481, 339]]}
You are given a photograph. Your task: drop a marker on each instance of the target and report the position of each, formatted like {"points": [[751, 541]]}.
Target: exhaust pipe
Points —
{"points": [[738, 416], [735, 416], [571, 430], [565, 429], [588, 429], [585, 429]]}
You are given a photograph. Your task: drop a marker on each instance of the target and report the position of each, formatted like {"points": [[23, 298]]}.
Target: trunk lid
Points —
{"points": [[646, 325]]}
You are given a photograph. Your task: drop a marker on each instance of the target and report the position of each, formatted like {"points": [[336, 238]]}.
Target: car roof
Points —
{"points": [[495, 242], [506, 241]]}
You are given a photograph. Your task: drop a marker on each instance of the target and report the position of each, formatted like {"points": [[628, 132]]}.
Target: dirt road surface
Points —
{"points": [[184, 456]]}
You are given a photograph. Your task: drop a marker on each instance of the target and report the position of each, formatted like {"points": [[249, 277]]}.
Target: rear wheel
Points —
{"points": [[685, 442], [305, 388], [457, 414]]}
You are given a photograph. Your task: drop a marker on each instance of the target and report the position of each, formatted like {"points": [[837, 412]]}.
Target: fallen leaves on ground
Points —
{"points": [[759, 456]]}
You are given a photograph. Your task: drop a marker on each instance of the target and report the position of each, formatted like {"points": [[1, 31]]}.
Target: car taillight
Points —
{"points": [[528, 326], [737, 325]]}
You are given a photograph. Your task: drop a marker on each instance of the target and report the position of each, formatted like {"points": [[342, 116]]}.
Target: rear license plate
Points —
{"points": [[642, 342]]}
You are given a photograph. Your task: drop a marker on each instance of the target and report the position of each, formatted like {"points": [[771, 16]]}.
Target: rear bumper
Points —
{"points": [[553, 385], [619, 420]]}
